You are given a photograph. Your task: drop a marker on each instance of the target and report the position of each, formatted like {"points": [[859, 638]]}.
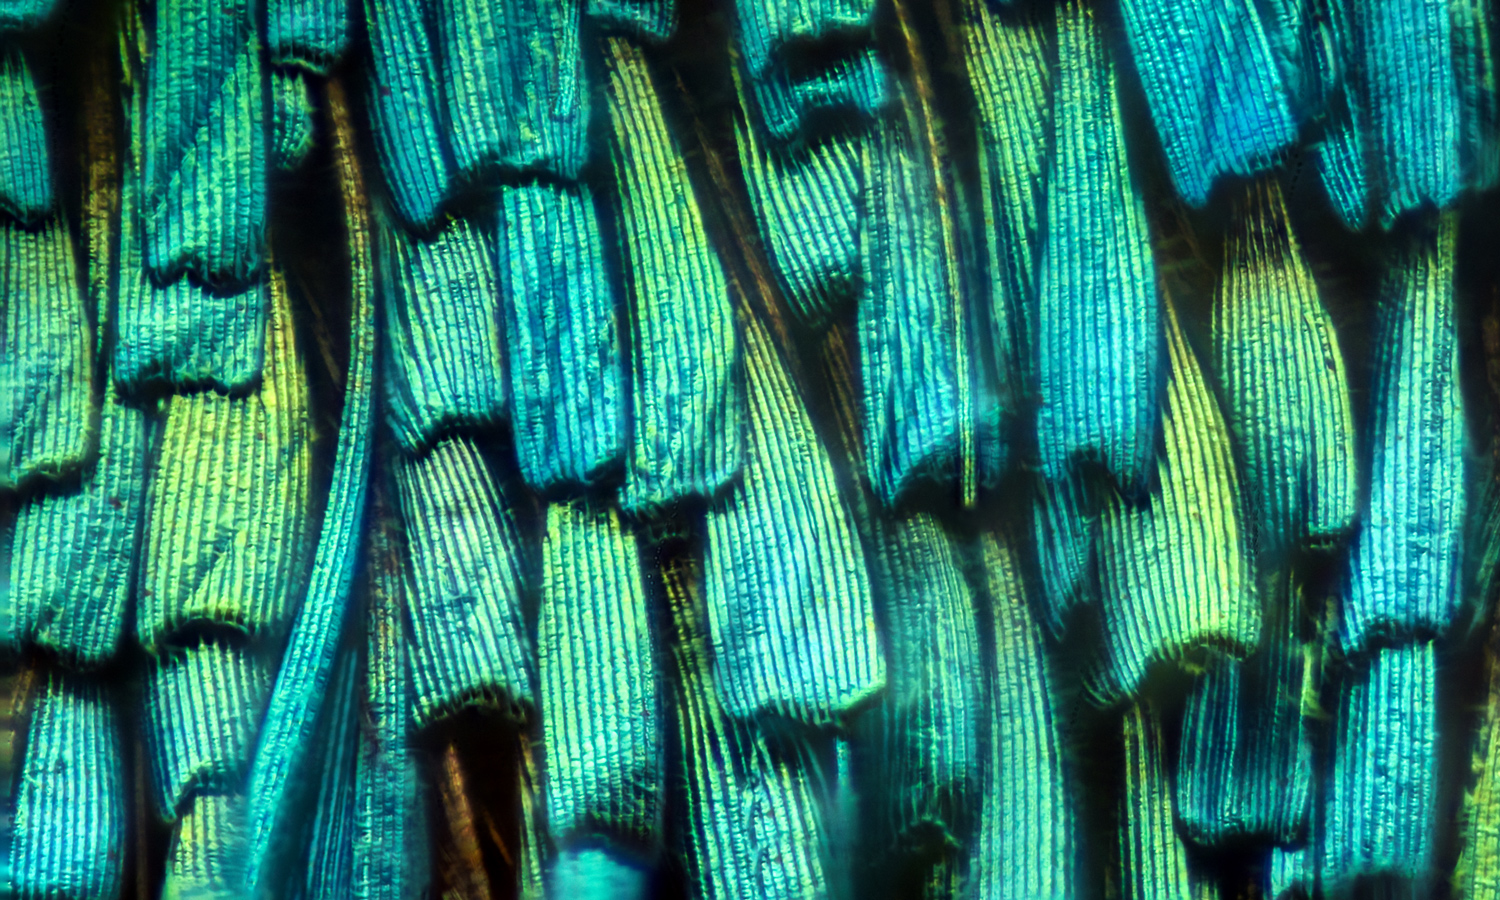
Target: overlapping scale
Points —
{"points": [[70, 838], [1245, 763], [1283, 380], [329, 866], [751, 818], [1175, 575], [1403, 49], [1065, 523], [1477, 874], [1027, 844], [442, 321], [1404, 565], [1100, 356], [912, 338], [71, 567], [808, 202], [601, 711], [405, 107], [25, 164], [1154, 862], [203, 196], [1009, 67], [514, 86], [1381, 814], [687, 388], [202, 709], [206, 857], [1219, 96], [178, 335], [563, 340], [309, 34], [47, 408], [810, 57], [467, 641], [790, 615], [230, 521], [926, 730]]}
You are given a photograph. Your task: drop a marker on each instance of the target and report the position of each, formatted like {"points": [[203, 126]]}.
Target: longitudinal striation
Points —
{"points": [[1404, 565], [205, 155], [230, 521], [47, 407], [1154, 862], [70, 808], [1027, 842], [1219, 92], [790, 613], [441, 305], [467, 640], [203, 705], [687, 377], [26, 191], [751, 818], [600, 704], [1100, 355], [1009, 66], [562, 309], [1175, 575]]}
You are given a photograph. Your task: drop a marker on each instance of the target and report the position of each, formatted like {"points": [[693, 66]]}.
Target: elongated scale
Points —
{"points": [[806, 57], [1405, 562], [1100, 356], [749, 818], [1217, 95], [391, 829], [563, 341], [329, 868], [1175, 575], [687, 393], [295, 705], [1404, 50], [25, 164], [230, 526], [928, 724], [1154, 862], [468, 641], [1009, 67], [1027, 844], [178, 334], [405, 108], [70, 830], [444, 367], [1473, 54], [1245, 757], [790, 615], [46, 356], [205, 156], [911, 339], [513, 81], [600, 706], [1381, 813], [312, 35], [1282, 377], [808, 202]]}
